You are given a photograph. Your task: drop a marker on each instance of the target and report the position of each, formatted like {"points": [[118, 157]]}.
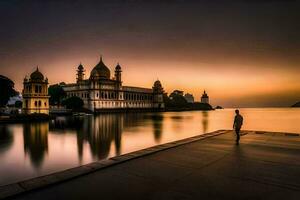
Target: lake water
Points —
{"points": [[35, 149]]}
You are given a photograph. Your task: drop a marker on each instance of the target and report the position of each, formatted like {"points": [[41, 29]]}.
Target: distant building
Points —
{"points": [[35, 94], [189, 98], [101, 91], [177, 92], [204, 98]]}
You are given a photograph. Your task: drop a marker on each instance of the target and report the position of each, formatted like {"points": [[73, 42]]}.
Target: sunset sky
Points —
{"points": [[244, 53]]}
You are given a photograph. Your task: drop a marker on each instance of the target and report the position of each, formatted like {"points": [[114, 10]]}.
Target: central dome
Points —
{"points": [[100, 71]]}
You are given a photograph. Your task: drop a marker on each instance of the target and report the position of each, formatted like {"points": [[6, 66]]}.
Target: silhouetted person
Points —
{"points": [[237, 125]]}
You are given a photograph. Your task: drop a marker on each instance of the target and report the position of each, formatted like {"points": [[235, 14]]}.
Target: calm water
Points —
{"points": [[30, 150]]}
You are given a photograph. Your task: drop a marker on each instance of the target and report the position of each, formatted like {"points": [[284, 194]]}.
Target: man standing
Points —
{"points": [[237, 125]]}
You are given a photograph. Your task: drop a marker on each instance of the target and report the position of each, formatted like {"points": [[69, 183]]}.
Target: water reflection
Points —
{"points": [[157, 121], [205, 121], [75, 140], [36, 142], [6, 137], [99, 132]]}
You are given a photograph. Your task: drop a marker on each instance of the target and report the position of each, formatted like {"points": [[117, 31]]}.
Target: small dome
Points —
{"points": [[37, 75], [80, 67], [100, 71], [118, 67], [157, 84], [204, 95], [157, 87]]}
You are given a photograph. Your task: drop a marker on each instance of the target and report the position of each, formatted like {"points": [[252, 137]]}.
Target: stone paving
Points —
{"points": [[264, 166]]}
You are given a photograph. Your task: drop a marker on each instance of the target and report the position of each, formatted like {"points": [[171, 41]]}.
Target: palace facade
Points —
{"points": [[101, 91]]}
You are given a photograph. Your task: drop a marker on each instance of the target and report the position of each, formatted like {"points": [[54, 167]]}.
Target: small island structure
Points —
{"points": [[177, 101], [35, 94], [205, 98], [189, 98]]}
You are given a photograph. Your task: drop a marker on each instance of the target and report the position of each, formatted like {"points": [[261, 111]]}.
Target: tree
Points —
{"points": [[74, 103], [178, 101], [7, 90], [57, 94], [167, 100], [18, 104]]}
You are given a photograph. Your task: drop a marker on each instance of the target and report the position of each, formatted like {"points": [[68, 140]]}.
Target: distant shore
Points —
{"points": [[24, 118], [296, 105]]}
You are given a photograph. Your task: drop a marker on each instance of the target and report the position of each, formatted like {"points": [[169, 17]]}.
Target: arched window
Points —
{"points": [[35, 103], [36, 90], [40, 103]]}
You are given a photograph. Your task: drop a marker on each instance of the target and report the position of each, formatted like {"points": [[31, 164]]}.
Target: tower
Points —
{"points": [[158, 91], [35, 94], [118, 72], [118, 77], [204, 98], [80, 73]]}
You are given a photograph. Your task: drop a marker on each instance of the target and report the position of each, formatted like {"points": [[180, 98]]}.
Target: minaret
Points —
{"points": [[80, 73], [118, 72]]}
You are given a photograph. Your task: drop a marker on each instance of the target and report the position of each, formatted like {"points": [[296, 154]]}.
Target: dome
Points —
{"points": [[37, 75], [100, 71]]}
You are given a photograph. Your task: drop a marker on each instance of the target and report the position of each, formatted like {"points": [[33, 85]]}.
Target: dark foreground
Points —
{"points": [[263, 166]]}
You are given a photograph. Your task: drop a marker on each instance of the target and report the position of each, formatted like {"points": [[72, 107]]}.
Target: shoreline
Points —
{"points": [[41, 117]]}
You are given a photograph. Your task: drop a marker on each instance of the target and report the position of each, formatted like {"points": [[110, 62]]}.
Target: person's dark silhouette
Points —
{"points": [[237, 125]]}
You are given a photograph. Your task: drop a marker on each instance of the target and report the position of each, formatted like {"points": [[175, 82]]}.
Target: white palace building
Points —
{"points": [[101, 91]]}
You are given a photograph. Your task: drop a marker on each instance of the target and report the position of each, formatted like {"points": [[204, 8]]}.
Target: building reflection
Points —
{"points": [[132, 120], [157, 121], [104, 131], [205, 121], [6, 138], [36, 141], [98, 131]]}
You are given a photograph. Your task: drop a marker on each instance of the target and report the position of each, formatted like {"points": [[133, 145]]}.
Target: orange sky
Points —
{"points": [[226, 86]]}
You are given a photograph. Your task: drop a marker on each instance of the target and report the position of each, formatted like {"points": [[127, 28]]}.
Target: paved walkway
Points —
{"points": [[263, 166]]}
